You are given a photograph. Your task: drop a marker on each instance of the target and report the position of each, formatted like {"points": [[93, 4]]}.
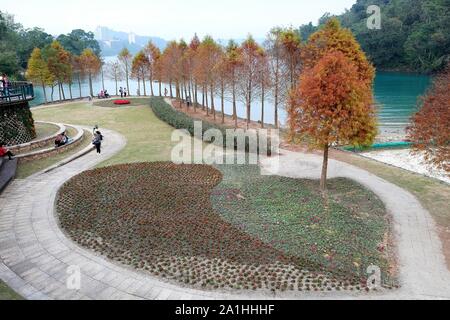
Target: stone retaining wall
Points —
{"points": [[52, 152], [16, 123], [45, 142]]}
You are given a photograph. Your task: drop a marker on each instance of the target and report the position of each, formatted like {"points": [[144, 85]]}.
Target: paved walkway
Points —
{"points": [[35, 255]]}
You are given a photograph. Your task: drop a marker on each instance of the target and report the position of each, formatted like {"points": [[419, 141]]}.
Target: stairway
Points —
{"points": [[7, 171]]}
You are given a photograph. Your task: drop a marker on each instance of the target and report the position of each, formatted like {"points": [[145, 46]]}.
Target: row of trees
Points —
{"points": [[54, 66], [18, 43], [325, 84], [205, 70]]}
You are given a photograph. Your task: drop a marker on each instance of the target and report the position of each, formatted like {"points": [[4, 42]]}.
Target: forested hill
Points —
{"points": [[415, 34]]}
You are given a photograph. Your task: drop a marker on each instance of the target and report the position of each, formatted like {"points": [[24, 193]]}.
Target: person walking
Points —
{"points": [[121, 92], [97, 141], [125, 92], [5, 84]]}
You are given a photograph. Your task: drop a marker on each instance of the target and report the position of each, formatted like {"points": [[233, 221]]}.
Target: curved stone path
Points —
{"points": [[35, 255]]}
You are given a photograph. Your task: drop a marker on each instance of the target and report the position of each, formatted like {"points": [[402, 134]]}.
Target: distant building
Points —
{"points": [[98, 33], [132, 38]]}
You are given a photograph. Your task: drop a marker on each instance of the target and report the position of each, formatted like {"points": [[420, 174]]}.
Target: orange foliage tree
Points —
{"points": [[91, 65], [233, 62], [139, 70], [191, 60], [331, 105], [333, 37], [208, 57], [430, 128], [126, 59], [248, 73], [291, 49], [153, 54], [59, 64], [171, 66]]}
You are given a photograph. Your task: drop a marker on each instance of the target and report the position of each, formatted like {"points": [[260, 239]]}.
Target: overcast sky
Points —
{"points": [[172, 19]]}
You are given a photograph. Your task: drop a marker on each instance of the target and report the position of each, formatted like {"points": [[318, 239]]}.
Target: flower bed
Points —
{"points": [[122, 102], [158, 217]]}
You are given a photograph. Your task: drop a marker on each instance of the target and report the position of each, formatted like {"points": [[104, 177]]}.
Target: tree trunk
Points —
{"points": [[160, 88], [59, 91], [139, 87], [263, 93], [195, 97], [91, 89], [249, 106], [127, 75], [222, 100], [45, 93], [191, 95], [276, 94], [79, 86], [171, 90], [213, 107], [145, 89], [63, 93], [234, 106], [323, 180], [203, 99], [117, 85], [103, 80], [151, 86], [206, 100], [70, 90]]}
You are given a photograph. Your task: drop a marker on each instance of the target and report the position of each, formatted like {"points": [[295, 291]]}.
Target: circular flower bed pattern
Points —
{"points": [[160, 218], [122, 102]]}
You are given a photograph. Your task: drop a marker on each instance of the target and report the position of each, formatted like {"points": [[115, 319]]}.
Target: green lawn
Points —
{"points": [[433, 194], [148, 139], [7, 294], [26, 169], [345, 233], [44, 130]]}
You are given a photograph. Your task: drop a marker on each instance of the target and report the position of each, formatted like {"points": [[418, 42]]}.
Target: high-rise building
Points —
{"points": [[131, 38]]}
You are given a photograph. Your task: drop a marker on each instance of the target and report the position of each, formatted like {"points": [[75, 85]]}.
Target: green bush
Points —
{"points": [[180, 120]]}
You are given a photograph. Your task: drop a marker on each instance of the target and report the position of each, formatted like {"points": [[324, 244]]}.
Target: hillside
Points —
{"points": [[415, 34]]}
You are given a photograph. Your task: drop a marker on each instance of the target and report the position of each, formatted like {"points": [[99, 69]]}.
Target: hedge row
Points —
{"points": [[180, 120]]}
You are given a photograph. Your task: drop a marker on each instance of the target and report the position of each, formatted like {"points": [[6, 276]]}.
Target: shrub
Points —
{"points": [[179, 120]]}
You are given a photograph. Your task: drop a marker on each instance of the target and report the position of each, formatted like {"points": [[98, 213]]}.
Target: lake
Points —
{"points": [[396, 97]]}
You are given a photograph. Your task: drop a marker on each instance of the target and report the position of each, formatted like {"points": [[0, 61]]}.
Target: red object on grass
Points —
{"points": [[122, 102]]}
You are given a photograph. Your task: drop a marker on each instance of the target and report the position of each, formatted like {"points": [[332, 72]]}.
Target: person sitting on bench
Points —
{"points": [[5, 152], [61, 140]]}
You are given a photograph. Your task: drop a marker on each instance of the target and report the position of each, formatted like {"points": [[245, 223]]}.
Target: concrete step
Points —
{"points": [[7, 172]]}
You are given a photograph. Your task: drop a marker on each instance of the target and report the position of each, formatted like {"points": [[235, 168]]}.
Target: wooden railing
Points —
{"points": [[17, 91]]}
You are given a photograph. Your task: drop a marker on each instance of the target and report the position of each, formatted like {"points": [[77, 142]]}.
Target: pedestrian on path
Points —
{"points": [[97, 141]]}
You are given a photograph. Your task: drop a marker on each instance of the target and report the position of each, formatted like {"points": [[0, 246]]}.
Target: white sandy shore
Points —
{"points": [[404, 159]]}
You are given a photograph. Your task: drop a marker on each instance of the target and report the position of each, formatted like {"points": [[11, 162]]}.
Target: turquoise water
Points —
{"points": [[396, 96]]}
